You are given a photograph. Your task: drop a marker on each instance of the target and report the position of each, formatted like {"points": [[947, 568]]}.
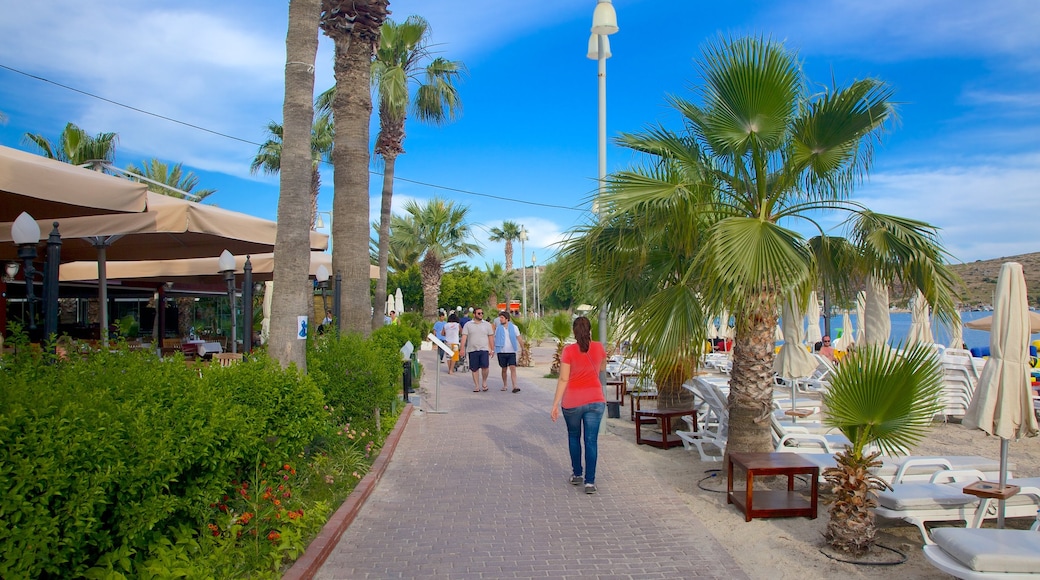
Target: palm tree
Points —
{"points": [[508, 233], [269, 156], [559, 328], [402, 61], [354, 27], [439, 228], [500, 281], [882, 397], [713, 202], [75, 146], [175, 177], [291, 254]]}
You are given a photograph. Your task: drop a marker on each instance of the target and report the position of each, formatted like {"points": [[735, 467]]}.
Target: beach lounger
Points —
{"points": [[987, 554], [712, 423], [915, 468]]}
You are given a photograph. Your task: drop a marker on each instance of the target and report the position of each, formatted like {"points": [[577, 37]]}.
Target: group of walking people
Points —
{"points": [[579, 392]]}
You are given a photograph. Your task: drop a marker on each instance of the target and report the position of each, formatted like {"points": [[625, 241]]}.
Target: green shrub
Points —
{"points": [[358, 376]]}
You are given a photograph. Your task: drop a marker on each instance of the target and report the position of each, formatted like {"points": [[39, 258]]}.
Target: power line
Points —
{"points": [[232, 137]]}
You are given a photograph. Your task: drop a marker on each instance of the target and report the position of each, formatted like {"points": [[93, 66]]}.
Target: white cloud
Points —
{"points": [[985, 207]]}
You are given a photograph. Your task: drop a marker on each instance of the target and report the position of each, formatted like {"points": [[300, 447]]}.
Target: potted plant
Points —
{"points": [[883, 400]]}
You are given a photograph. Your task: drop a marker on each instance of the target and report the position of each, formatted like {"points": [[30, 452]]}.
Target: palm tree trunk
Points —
{"points": [[431, 282], [292, 253], [751, 382], [315, 190], [352, 109], [390, 165]]}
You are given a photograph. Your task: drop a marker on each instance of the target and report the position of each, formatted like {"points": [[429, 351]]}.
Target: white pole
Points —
{"points": [[523, 268], [602, 65]]}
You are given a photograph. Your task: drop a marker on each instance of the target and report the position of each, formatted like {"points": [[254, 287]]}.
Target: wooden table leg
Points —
{"points": [[749, 496], [729, 481], [639, 423]]}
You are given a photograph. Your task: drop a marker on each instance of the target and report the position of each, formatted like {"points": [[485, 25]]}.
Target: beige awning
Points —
{"points": [[47, 189], [172, 228], [194, 270]]}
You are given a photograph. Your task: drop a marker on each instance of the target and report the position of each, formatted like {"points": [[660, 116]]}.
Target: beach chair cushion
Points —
{"points": [[991, 550], [916, 496]]}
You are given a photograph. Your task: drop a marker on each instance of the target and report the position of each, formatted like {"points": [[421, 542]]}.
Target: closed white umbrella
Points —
{"points": [[844, 341], [793, 361], [265, 325], [920, 328], [813, 334], [1002, 403], [861, 307], [390, 304], [399, 302], [726, 331], [877, 321]]}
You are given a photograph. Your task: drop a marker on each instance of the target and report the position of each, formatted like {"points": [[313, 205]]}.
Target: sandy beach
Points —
{"points": [[790, 547]]}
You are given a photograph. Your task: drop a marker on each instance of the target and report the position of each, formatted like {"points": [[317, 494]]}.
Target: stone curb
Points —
{"points": [[319, 549]]}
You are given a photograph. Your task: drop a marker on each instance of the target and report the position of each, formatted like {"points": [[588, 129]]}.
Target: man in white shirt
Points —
{"points": [[478, 343], [508, 346]]}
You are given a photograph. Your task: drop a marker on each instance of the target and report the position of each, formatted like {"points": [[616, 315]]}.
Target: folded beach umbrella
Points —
{"points": [[812, 315], [844, 341], [265, 324], [920, 328], [390, 304], [399, 302], [1002, 403], [877, 321], [986, 322], [861, 307], [793, 361]]}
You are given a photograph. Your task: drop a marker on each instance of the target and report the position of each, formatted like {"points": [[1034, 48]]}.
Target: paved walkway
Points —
{"points": [[481, 491]]}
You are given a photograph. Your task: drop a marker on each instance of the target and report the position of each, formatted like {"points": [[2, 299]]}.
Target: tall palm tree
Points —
{"points": [[269, 156], [508, 233], [439, 228], [354, 27], [75, 146], [292, 298], [879, 397], [758, 152], [174, 177], [403, 61]]}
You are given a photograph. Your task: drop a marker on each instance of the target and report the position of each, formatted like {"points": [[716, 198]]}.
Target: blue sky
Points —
{"points": [[965, 154]]}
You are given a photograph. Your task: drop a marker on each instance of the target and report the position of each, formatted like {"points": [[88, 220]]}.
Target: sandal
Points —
{"points": [[476, 390], [516, 390], [485, 388], [505, 388]]}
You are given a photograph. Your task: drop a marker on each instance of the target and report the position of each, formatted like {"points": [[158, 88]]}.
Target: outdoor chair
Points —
{"points": [[226, 359], [712, 426], [819, 380], [987, 554]]}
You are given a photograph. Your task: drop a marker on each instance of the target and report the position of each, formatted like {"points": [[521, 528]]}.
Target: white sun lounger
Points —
{"points": [[986, 554], [912, 468], [939, 501]]}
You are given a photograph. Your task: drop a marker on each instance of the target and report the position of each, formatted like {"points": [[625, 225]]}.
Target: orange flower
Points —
{"points": [[274, 536]]}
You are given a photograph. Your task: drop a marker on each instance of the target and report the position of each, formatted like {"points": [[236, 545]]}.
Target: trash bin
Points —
{"points": [[407, 378], [613, 409]]}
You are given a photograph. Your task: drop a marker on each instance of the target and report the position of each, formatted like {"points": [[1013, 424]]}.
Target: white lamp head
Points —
{"points": [[10, 271], [319, 224], [25, 230], [523, 234], [321, 274], [226, 262], [594, 46], [604, 19]]}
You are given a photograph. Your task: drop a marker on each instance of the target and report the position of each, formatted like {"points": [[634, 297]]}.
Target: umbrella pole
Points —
{"points": [[1003, 481]]}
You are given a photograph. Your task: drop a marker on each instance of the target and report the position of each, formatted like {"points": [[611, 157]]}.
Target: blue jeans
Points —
{"points": [[588, 417]]}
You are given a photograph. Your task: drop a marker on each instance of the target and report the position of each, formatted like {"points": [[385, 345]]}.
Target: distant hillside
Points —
{"points": [[980, 278]]}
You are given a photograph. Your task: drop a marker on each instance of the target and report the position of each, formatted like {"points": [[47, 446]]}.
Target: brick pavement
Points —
{"points": [[481, 492]]}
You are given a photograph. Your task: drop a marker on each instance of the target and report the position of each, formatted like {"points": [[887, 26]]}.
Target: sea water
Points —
{"points": [[901, 327]]}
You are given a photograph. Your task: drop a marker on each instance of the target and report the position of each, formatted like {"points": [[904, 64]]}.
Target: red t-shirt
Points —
{"points": [[583, 386]]}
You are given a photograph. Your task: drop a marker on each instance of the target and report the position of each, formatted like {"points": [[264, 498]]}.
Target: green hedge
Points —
{"points": [[119, 461]]}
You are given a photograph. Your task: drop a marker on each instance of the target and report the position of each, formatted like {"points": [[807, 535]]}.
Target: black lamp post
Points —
{"points": [[247, 307], [26, 235], [226, 266]]}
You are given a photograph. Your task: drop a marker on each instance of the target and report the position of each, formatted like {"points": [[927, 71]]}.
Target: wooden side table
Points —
{"points": [[665, 416], [769, 503]]}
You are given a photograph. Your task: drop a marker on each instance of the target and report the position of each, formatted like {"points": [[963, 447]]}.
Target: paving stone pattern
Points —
{"points": [[482, 492]]}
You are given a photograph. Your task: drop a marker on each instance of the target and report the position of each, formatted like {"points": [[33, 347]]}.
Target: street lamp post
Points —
{"points": [[322, 277], [535, 302], [523, 268], [604, 23], [25, 233], [226, 266]]}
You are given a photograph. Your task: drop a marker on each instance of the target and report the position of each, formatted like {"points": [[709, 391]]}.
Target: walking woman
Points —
{"points": [[580, 394]]}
